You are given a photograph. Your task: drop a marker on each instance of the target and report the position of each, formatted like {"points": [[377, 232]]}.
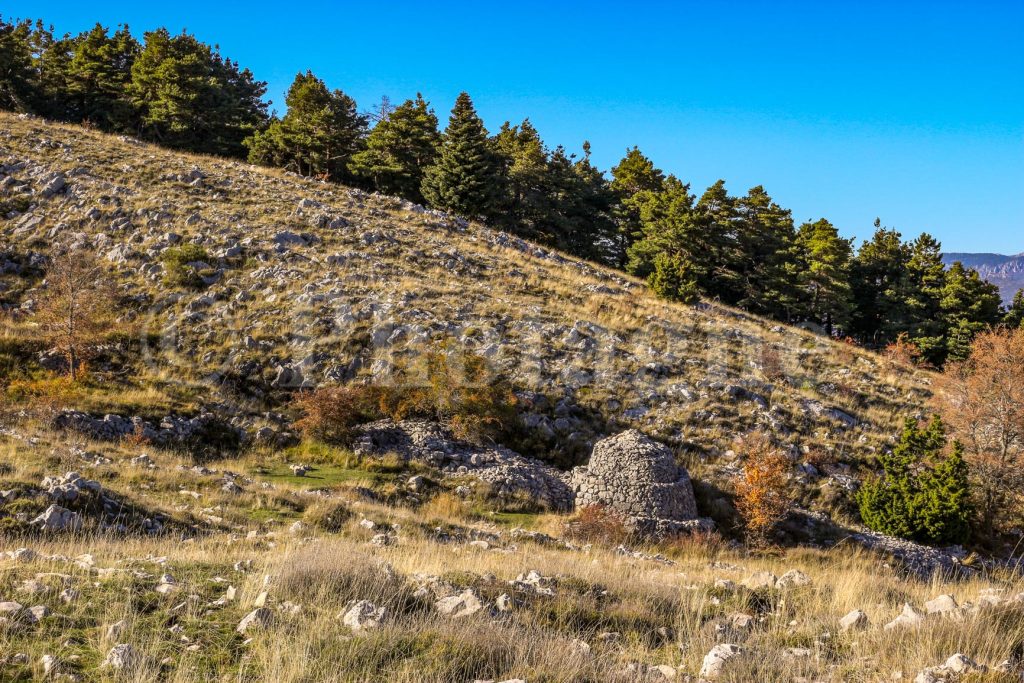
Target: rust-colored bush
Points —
{"points": [[903, 352], [330, 413], [762, 490], [596, 524]]}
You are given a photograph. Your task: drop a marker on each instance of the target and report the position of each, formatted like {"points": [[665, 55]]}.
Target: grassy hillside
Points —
{"points": [[333, 284], [240, 569]]}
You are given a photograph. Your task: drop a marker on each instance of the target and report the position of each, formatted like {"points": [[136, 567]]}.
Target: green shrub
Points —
{"points": [[923, 495], [182, 265], [673, 279]]}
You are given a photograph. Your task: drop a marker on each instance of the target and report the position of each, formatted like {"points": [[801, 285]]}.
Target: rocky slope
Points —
{"points": [[415, 556], [310, 283]]}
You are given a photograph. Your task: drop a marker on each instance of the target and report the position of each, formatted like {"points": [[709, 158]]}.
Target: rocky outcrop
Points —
{"points": [[507, 472], [170, 431], [638, 478]]}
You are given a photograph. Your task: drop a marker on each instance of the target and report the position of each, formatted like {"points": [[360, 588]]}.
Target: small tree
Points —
{"points": [[673, 278], [75, 312], [923, 494], [763, 498], [982, 398]]}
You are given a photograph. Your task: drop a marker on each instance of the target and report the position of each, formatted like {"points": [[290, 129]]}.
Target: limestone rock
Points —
{"points": [[461, 605], [941, 604], [908, 618], [794, 578], [854, 621], [717, 660], [760, 580], [363, 615], [57, 518], [121, 657], [255, 620]]}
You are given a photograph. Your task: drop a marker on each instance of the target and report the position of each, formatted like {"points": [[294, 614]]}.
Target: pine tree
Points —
{"points": [[968, 306], [923, 494], [634, 175], [824, 280], [464, 179], [670, 226], [527, 202], [17, 75], [877, 279], [944, 506], [400, 147], [587, 205], [319, 134], [1014, 317], [924, 280], [672, 278], [190, 97], [720, 243], [98, 76], [766, 267]]}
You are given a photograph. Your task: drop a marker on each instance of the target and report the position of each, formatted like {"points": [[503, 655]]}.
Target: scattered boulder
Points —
{"points": [[716, 662], [794, 578], [941, 605], [121, 657], [363, 615], [461, 605], [908, 618], [759, 580], [57, 518], [854, 621], [255, 620], [507, 473]]}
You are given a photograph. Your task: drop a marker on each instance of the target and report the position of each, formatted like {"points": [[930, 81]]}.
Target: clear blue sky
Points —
{"points": [[910, 111]]}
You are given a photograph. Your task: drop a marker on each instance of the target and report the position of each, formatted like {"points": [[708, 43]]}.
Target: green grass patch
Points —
{"points": [[320, 476]]}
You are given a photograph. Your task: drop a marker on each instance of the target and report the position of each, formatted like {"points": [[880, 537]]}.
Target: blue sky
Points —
{"points": [[910, 111]]}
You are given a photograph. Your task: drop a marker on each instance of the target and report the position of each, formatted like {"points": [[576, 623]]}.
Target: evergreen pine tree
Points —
{"points": [[318, 135], [587, 205], [528, 201], [464, 179], [1014, 317], [633, 176], [190, 97], [97, 77], [17, 77], [672, 278], [766, 267], [968, 306], [925, 278], [670, 226], [877, 280], [923, 494], [399, 149], [719, 241], [824, 278]]}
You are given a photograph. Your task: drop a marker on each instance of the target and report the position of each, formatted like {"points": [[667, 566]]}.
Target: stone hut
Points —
{"points": [[639, 479]]}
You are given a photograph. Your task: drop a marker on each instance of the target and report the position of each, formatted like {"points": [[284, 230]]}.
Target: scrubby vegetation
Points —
{"points": [[924, 493]]}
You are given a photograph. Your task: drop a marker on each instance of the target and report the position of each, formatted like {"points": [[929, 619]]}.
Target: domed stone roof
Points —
{"points": [[639, 479]]}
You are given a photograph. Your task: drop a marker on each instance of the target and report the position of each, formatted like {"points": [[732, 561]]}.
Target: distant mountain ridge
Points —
{"points": [[1006, 272]]}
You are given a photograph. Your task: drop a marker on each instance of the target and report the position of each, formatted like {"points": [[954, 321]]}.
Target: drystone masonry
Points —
{"points": [[639, 479]]}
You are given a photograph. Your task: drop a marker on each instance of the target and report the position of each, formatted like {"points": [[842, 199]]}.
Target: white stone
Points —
{"points": [[716, 661], [461, 605], [363, 615]]}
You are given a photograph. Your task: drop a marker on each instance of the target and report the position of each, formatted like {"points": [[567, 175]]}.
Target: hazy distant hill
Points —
{"points": [[1007, 272]]}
